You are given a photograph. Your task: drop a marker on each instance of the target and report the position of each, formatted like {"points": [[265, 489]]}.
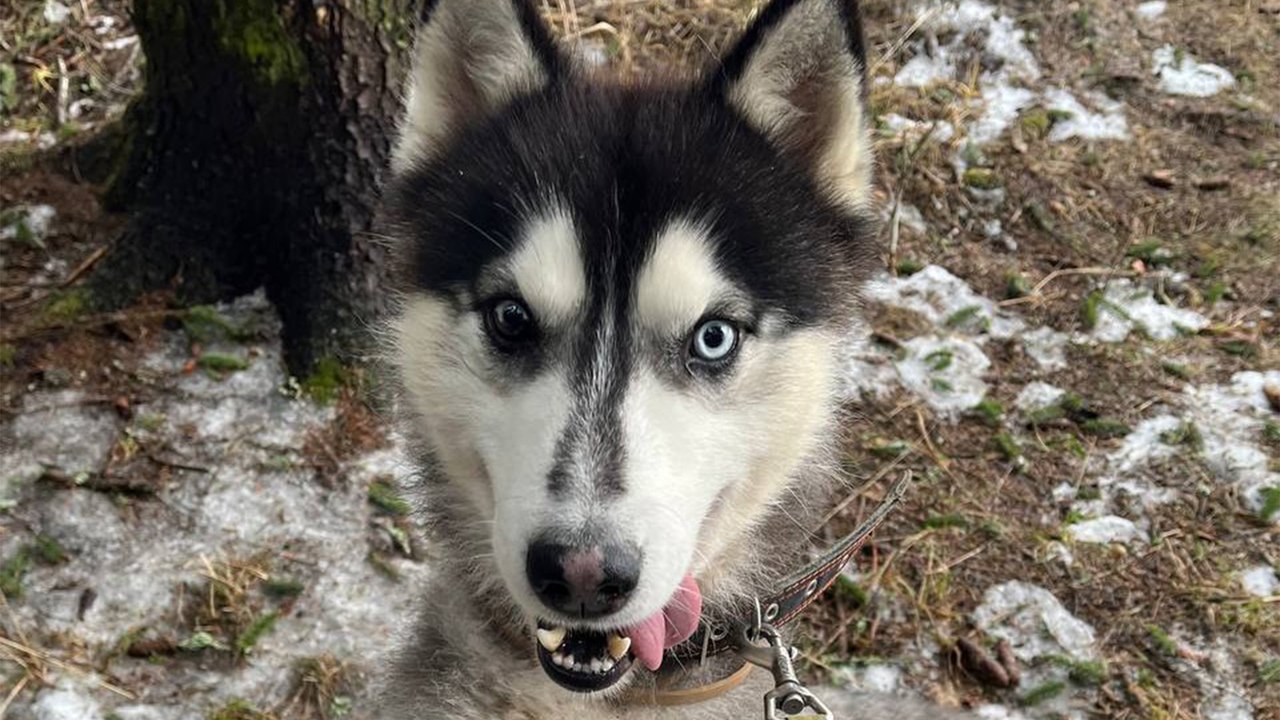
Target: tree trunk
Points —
{"points": [[253, 159]]}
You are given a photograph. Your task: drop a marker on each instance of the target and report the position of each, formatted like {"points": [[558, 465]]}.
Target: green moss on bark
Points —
{"points": [[253, 32]]}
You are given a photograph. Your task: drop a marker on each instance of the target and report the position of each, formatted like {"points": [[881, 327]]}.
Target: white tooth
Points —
{"points": [[596, 665], [618, 646], [558, 660], [551, 639]]}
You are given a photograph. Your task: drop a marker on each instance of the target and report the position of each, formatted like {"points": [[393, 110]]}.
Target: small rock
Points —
{"points": [[978, 663], [1217, 182], [1273, 396], [1160, 178]]}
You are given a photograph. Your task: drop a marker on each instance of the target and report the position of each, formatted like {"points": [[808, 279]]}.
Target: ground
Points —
{"points": [[1073, 351]]}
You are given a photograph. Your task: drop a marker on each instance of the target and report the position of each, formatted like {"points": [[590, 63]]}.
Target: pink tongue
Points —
{"points": [[668, 627]]}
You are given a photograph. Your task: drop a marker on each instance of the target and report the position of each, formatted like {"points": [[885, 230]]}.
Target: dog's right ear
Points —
{"points": [[471, 58]]}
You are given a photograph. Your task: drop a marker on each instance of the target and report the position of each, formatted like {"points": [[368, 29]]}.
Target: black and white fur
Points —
{"points": [[623, 216]]}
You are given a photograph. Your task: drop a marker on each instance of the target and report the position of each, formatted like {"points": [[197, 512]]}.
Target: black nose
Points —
{"points": [[586, 582]]}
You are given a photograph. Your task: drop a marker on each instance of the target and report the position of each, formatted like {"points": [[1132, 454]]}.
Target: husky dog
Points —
{"points": [[624, 308]]}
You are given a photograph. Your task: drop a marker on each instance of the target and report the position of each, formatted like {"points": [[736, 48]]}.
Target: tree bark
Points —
{"points": [[253, 159]]}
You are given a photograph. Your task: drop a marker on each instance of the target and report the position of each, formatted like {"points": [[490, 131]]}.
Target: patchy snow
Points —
{"points": [[62, 430], [1000, 105], [1217, 674], [1260, 581], [27, 223], [981, 32], [66, 701], [1106, 123], [55, 13], [946, 372], [944, 300], [998, 712], [900, 128], [1126, 307], [909, 218], [1108, 529], [969, 20], [258, 496], [1220, 426], [1047, 347], [1037, 396], [1181, 74], [1034, 622], [877, 678], [1230, 420], [42, 141], [1144, 445], [1151, 10]]}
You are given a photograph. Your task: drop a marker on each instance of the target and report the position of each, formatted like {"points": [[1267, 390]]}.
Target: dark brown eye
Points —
{"points": [[509, 322]]}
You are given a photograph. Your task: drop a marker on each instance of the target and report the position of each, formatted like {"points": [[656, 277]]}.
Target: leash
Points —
{"points": [[756, 639]]}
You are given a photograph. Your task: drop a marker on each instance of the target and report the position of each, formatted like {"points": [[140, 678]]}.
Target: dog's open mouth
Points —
{"points": [[587, 660], [583, 660]]}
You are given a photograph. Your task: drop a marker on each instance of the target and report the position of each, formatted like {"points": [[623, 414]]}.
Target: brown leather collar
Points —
{"points": [[694, 695], [796, 592]]}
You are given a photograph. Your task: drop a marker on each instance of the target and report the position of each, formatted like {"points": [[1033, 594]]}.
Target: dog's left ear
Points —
{"points": [[798, 76]]}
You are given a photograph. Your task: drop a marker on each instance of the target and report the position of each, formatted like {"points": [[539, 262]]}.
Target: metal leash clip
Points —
{"points": [[788, 695]]}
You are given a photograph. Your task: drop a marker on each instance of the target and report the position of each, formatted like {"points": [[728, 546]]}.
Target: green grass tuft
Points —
{"points": [[1105, 427], [384, 496], [1270, 503], [13, 571], [221, 363], [942, 522], [49, 551], [939, 360], [1016, 285], [1150, 251], [255, 631], [1007, 446], [239, 710], [326, 380], [1186, 434], [965, 316], [1091, 309], [1042, 692], [1163, 642], [280, 588], [1239, 348], [909, 266], [66, 307], [982, 178], [990, 411]]}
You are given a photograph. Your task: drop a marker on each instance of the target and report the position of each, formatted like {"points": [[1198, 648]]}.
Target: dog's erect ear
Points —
{"points": [[470, 59], [798, 76]]}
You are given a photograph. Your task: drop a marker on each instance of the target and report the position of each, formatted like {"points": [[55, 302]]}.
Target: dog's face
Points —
{"points": [[624, 305]]}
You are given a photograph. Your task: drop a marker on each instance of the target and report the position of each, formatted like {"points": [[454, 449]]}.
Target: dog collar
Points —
{"points": [[796, 592]]}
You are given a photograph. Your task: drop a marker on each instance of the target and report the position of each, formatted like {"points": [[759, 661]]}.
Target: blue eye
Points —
{"points": [[714, 341]]}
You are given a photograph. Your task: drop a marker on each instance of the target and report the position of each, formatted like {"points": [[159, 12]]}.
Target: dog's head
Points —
{"points": [[624, 305]]}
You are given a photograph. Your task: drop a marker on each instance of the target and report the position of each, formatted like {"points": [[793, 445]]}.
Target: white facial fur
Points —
{"points": [[704, 460]]}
